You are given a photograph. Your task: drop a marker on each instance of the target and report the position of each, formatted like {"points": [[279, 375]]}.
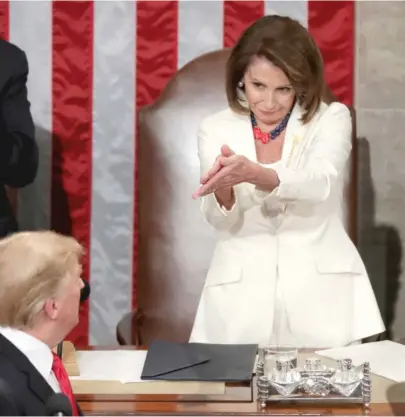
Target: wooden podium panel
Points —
{"points": [[152, 408], [239, 401]]}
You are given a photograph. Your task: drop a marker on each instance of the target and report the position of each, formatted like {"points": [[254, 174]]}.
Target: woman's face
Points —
{"points": [[268, 91]]}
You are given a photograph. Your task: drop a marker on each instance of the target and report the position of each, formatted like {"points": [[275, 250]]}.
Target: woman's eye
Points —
{"points": [[258, 85]]}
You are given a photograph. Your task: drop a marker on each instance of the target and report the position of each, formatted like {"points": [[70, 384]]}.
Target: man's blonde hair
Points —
{"points": [[33, 266]]}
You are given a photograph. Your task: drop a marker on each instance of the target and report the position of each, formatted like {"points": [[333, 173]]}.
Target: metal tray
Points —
{"points": [[317, 386]]}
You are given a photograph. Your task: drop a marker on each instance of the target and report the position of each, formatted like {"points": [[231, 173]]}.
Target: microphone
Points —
{"points": [[8, 406], [58, 405], [85, 291]]}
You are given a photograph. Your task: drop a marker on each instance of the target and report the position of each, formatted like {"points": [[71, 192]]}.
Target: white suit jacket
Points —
{"points": [[293, 237]]}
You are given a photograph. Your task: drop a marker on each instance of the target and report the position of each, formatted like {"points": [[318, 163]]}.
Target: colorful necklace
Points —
{"points": [[265, 137]]}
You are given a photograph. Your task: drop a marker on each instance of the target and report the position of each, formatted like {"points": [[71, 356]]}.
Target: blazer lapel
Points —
{"points": [[303, 138], [297, 137], [36, 382], [242, 137], [293, 135]]}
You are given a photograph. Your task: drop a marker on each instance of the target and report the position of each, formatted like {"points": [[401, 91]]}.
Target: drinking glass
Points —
{"points": [[281, 353]]}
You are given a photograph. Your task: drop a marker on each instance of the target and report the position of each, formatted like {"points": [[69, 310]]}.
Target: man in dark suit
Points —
{"points": [[18, 149], [40, 288]]}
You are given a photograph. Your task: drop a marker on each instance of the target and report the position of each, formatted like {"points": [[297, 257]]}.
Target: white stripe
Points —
{"points": [[200, 28], [31, 30], [296, 9], [113, 167]]}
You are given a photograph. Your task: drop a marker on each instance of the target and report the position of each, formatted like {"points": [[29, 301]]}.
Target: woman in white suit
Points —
{"points": [[273, 165]]}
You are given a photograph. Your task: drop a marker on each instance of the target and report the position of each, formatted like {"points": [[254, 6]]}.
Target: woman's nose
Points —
{"points": [[270, 100]]}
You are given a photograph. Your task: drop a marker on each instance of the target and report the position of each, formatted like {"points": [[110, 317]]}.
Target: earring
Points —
{"points": [[240, 84]]}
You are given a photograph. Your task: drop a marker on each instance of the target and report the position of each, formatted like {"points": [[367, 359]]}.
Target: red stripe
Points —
{"points": [[156, 63], [4, 19], [238, 15], [331, 23], [72, 72]]}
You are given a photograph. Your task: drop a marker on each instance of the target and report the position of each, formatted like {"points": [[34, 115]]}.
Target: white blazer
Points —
{"points": [[293, 238]]}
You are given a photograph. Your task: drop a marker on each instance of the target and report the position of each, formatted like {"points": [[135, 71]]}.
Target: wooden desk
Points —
{"points": [[240, 399]]}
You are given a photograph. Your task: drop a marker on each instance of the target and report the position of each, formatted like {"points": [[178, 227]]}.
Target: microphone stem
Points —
{"points": [[59, 350]]}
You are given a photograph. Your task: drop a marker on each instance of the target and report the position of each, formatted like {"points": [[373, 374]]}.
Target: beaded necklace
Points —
{"points": [[265, 137]]}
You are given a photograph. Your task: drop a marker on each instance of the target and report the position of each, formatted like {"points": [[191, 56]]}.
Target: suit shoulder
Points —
{"points": [[337, 109], [217, 119], [10, 50], [335, 121], [13, 59], [335, 112], [7, 367]]}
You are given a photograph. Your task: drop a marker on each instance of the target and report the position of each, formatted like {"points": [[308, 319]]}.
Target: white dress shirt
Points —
{"points": [[37, 352]]}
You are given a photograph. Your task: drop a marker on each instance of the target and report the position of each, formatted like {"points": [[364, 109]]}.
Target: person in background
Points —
{"points": [[273, 164], [40, 288], [18, 149]]}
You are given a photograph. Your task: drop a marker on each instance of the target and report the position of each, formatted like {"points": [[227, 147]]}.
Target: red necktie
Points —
{"points": [[63, 379]]}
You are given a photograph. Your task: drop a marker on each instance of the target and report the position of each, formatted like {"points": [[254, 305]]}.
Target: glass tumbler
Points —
{"points": [[282, 353]]}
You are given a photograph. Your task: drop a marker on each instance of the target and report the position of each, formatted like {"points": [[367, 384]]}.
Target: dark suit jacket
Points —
{"points": [[29, 390], [18, 149]]}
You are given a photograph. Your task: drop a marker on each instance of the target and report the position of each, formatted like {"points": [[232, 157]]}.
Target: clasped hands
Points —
{"points": [[228, 170]]}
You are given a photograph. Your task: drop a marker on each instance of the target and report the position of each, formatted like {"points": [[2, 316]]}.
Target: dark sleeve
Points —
{"points": [[18, 149]]}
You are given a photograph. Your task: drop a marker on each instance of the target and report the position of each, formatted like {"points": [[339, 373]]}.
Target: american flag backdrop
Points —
{"points": [[93, 64]]}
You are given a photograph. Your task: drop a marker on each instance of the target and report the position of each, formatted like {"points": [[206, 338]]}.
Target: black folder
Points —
{"points": [[199, 362]]}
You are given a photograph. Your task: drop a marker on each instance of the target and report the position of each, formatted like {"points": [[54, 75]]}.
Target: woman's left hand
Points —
{"points": [[229, 170]]}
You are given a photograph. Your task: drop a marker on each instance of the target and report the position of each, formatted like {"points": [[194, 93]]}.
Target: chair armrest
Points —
{"points": [[128, 329]]}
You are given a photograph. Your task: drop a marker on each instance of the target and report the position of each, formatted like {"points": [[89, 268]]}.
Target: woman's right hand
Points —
{"points": [[225, 196]]}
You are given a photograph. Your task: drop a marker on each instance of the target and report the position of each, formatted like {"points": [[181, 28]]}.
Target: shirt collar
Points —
{"points": [[37, 352]]}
